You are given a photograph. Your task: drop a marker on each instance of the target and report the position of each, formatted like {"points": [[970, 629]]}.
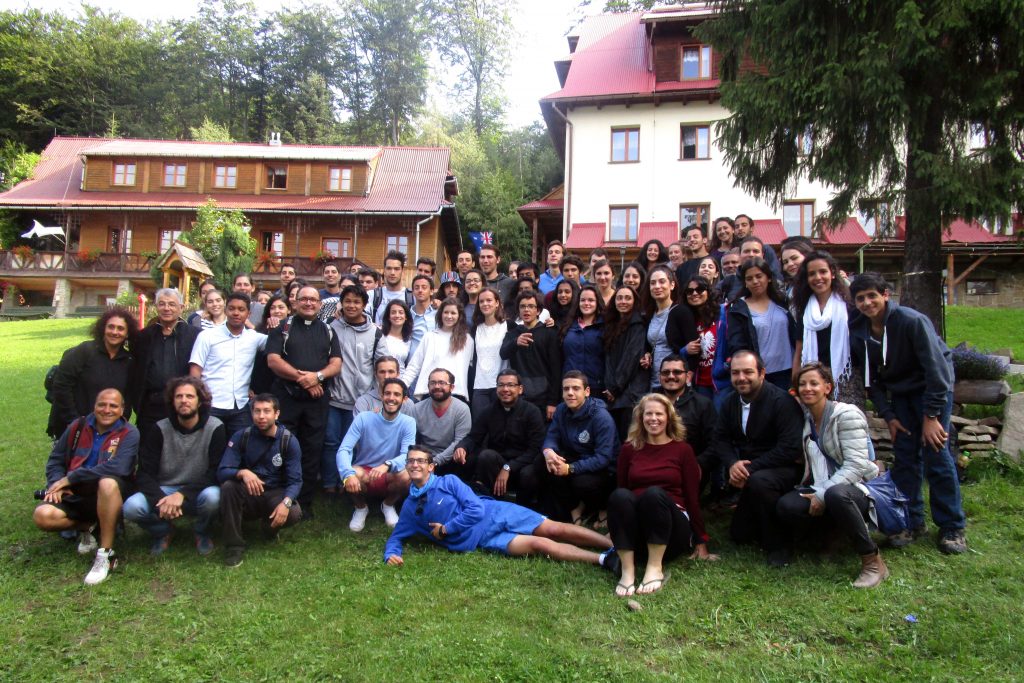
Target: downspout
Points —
{"points": [[420, 225], [568, 174]]}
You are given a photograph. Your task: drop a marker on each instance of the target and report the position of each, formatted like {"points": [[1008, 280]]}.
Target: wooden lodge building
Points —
{"points": [[122, 203]]}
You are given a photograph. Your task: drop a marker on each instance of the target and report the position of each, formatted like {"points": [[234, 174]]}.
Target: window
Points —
{"points": [[976, 287], [625, 144], [124, 173], [805, 142], [695, 142], [174, 175], [696, 62], [876, 217], [225, 176], [797, 218], [398, 243], [337, 246], [272, 242], [694, 214], [167, 237], [341, 179], [277, 177], [119, 240], [979, 136], [623, 223]]}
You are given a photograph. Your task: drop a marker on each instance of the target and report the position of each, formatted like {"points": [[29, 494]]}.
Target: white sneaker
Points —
{"points": [[87, 544], [104, 563], [390, 514], [359, 516]]}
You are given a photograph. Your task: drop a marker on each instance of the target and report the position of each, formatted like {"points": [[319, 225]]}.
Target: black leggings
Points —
{"points": [[651, 518], [845, 504]]}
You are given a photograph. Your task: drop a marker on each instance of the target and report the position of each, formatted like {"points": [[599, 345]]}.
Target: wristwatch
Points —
{"points": [[320, 377], [506, 467], [572, 468], [288, 502]]}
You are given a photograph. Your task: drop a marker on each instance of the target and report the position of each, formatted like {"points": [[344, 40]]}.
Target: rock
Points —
{"points": [[634, 606], [989, 392], [878, 423], [980, 429], [1008, 353], [972, 438], [961, 421], [1011, 439], [991, 421], [1004, 359], [1015, 369], [977, 447]]}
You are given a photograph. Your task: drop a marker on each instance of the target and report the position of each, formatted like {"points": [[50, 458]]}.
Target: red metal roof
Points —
{"points": [[770, 230], [585, 236], [850, 232], [666, 232], [406, 180], [959, 231], [543, 205], [610, 58]]}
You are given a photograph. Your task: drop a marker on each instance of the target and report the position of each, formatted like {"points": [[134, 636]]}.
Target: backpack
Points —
{"points": [[378, 297], [286, 439], [48, 382], [286, 328]]}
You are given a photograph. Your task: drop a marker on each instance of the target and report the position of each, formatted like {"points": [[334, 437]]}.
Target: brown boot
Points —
{"points": [[872, 572]]}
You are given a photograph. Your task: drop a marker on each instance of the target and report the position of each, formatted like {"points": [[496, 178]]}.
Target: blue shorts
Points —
{"points": [[504, 522]]}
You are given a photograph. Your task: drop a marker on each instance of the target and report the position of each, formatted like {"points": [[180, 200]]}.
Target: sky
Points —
{"points": [[541, 27]]}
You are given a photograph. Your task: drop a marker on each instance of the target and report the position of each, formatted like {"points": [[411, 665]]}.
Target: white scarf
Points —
{"points": [[816, 320]]}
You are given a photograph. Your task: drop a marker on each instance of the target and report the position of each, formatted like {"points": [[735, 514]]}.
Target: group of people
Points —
{"points": [[592, 402]]}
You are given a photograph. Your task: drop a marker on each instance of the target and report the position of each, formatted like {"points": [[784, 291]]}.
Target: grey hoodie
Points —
{"points": [[357, 346]]}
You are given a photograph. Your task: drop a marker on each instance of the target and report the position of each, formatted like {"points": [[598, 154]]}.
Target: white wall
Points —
{"points": [[660, 181]]}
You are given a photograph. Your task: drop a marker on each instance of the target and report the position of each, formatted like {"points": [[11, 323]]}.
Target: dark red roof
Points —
{"points": [[850, 232], [667, 232], [610, 58], [770, 230], [959, 231], [406, 180], [585, 236], [543, 205]]}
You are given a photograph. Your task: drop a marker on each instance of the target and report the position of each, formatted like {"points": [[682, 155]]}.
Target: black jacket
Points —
{"points": [[742, 334], [184, 339], [84, 371], [517, 434], [539, 365], [774, 431], [698, 415], [623, 376], [148, 477]]}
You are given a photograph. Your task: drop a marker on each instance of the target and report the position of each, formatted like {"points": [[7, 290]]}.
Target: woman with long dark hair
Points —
{"points": [[654, 515], [634, 275], [604, 278], [703, 302], [651, 254], [448, 346], [103, 362], [625, 343], [710, 270], [723, 237], [489, 330], [583, 339], [396, 328], [822, 310], [670, 327], [563, 302], [274, 313], [759, 321], [792, 257]]}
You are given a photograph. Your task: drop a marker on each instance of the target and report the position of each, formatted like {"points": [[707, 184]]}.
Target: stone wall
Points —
{"points": [[1009, 287]]}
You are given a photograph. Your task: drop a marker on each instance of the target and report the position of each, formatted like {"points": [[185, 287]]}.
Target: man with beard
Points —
{"points": [[304, 354], [695, 411], [371, 458], [394, 265], [260, 476], [384, 367], [178, 468], [442, 422], [161, 353], [758, 439]]}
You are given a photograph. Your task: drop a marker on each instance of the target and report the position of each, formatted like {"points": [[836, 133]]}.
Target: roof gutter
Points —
{"points": [[419, 225], [303, 212], [568, 173]]}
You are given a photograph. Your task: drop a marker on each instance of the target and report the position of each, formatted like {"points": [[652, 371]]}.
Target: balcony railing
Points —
{"points": [[54, 261]]}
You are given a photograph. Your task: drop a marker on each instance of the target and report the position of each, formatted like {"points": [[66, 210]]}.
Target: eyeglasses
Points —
{"points": [[508, 385], [695, 290], [674, 373], [435, 383], [417, 461], [526, 307], [308, 300]]}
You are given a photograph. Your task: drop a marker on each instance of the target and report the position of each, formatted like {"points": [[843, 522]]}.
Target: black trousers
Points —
{"points": [[845, 504], [236, 504], [651, 518], [756, 519], [307, 420], [524, 481], [559, 496]]}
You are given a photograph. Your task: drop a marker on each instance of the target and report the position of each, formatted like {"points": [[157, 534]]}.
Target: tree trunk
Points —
{"points": [[922, 266], [989, 392]]}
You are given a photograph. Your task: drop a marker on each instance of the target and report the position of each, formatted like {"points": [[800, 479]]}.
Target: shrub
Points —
{"points": [[970, 363]]}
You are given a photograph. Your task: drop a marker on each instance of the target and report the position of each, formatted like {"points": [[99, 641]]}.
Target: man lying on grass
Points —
{"points": [[446, 511]]}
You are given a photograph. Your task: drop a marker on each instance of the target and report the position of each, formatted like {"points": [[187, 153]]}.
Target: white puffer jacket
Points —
{"points": [[844, 437]]}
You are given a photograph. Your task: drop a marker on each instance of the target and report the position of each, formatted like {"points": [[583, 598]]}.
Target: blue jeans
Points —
{"points": [[338, 422], [234, 419], [914, 462], [204, 508]]}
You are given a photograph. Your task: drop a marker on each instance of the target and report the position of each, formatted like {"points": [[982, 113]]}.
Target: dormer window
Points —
{"points": [[124, 173], [341, 179], [174, 175], [225, 175], [277, 177], [696, 62]]}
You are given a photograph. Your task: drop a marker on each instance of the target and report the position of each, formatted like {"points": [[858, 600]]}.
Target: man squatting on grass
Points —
{"points": [[447, 512]]}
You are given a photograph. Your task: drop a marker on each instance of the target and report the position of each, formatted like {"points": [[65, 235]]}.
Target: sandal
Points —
{"points": [[601, 521], [627, 590], [661, 584]]}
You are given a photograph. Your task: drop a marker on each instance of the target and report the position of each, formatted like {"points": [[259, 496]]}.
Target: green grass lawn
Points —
{"points": [[987, 328], [320, 605]]}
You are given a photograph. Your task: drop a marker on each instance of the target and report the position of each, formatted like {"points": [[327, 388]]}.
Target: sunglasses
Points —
{"points": [[674, 373], [695, 290]]}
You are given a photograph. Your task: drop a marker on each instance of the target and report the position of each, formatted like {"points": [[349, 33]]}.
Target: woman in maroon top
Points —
{"points": [[655, 511]]}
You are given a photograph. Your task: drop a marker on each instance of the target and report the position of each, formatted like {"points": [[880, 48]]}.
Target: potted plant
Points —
{"points": [[267, 262], [323, 256], [87, 256], [23, 255], [979, 377]]}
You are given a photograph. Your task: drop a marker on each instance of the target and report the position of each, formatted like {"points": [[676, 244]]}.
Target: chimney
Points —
{"points": [[275, 140]]}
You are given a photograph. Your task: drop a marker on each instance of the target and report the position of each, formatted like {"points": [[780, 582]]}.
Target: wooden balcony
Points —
{"points": [[56, 263]]}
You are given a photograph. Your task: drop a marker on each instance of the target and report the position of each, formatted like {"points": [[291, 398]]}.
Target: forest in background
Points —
{"points": [[353, 72]]}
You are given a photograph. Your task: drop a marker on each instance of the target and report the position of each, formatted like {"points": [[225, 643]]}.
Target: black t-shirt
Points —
{"points": [[310, 345]]}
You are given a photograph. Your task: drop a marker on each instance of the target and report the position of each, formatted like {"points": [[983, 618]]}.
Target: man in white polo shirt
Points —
{"points": [[223, 356]]}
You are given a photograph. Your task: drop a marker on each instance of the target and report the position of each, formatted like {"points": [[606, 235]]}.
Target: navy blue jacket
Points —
{"points": [[586, 438], [583, 350], [263, 457]]}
